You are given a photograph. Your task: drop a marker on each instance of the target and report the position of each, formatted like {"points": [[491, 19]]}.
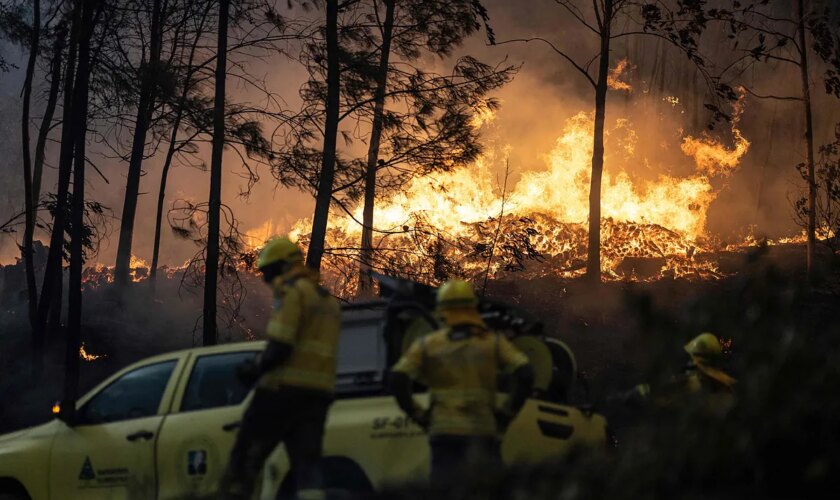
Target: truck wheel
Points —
{"points": [[11, 489], [343, 478]]}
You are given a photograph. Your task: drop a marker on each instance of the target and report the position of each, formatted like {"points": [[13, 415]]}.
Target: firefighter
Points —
{"points": [[460, 363], [705, 372], [294, 376], [703, 375]]}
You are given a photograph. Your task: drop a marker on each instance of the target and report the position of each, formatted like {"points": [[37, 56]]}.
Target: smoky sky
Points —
{"points": [[535, 105]]}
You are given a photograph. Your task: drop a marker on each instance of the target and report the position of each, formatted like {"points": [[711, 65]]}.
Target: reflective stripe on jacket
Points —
{"points": [[306, 317], [460, 366]]}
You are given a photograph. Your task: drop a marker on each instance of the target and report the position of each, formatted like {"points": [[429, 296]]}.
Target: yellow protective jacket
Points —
{"points": [[308, 318], [460, 366]]}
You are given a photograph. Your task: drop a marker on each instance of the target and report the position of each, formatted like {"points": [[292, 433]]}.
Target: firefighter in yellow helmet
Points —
{"points": [[460, 363], [295, 376], [705, 371], [704, 375]]}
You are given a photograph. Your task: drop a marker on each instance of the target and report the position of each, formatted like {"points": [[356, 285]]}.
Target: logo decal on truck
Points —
{"points": [[87, 472], [197, 462], [102, 478]]}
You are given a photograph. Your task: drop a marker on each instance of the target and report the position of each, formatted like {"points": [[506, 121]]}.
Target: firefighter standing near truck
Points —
{"points": [[295, 377], [460, 364]]}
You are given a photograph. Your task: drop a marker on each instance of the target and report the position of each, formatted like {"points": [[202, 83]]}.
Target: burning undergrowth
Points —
{"points": [[468, 223]]}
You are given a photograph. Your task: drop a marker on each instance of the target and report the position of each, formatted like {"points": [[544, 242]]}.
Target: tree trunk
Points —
{"points": [[215, 201], [135, 167], [365, 283], [325, 183], [170, 153], [56, 306], [49, 111], [809, 142], [771, 133], [52, 274], [29, 199], [53, 322], [593, 261], [77, 210]]}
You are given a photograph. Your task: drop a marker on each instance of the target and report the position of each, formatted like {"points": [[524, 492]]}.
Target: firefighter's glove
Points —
{"points": [[248, 372], [422, 418], [503, 419]]}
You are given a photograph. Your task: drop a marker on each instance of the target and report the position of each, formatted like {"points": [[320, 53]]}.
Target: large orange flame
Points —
{"points": [[614, 81], [662, 219]]}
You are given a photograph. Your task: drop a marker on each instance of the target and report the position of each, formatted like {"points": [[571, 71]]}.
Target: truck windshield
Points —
{"points": [[136, 394]]}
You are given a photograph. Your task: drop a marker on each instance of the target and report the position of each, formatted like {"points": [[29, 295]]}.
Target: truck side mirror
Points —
{"points": [[64, 411]]}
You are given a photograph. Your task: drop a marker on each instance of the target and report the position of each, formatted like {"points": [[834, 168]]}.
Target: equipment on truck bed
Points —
{"points": [[404, 313]]}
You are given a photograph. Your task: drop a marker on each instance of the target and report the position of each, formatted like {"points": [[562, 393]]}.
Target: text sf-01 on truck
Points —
{"points": [[164, 427]]}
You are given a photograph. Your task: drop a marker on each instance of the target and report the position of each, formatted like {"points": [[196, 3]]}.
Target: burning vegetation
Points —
{"points": [[463, 222]]}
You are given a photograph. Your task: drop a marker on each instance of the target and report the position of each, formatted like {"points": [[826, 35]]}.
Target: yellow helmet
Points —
{"points": [[279, 250], [704, 347], [456, 294]]}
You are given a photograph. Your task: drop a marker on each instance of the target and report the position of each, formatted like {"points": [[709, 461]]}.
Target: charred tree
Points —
{"points": [[180, 110], [53, 279], [30, 199], [679, 29], [783, 38], [79, 127], [49, 112], [809, 142], [593, 254], [327, 175], [145, 106], [215, 199], [414, 121], [373, 149]]}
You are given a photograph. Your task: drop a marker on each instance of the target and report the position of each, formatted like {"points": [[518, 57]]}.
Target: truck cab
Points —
{"points": [[164, 427]]}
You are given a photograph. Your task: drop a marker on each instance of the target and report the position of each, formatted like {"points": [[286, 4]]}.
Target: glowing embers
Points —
{"points": [[100, 274], [86, 356]]}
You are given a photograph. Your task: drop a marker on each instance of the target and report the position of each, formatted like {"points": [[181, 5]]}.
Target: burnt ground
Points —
{"points": [[622, 333]]}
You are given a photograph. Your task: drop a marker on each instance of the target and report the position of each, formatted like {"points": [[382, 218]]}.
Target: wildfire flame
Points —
{"points": [[614, 76], [256, 238], [465, 219], [100, 274], [663, 219], [709, 157], [86, 356], [482, 116]]}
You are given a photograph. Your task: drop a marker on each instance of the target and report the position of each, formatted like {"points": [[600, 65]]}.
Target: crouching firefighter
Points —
{"points": [[295, 377], [703, 378], [460, 364]]}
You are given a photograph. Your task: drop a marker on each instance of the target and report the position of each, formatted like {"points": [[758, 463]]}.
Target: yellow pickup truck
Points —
{"points": [[163, 427]]}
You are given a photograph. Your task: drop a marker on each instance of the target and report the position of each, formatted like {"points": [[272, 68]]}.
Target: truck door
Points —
{"points": [[109, 451], [197, 437]]}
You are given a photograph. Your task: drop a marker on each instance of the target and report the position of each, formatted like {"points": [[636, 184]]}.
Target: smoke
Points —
{"points": [[664, 104]]}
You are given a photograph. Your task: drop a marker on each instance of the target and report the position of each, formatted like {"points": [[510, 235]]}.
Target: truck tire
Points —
{"points": [[343, 478], [11, 489]]}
